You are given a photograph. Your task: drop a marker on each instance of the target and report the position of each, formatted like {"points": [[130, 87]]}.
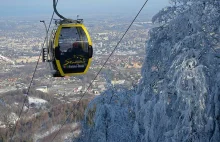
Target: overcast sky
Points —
{"points": [[73, 7]]}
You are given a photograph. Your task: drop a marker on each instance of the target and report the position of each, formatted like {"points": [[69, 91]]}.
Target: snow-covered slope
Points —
{"points": [[36, 102], [178, 97]]}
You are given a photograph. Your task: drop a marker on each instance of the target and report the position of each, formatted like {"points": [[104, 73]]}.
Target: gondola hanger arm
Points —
{"points": [[64, 19]]}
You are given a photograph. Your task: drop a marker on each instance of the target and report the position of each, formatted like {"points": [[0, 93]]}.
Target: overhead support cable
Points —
{"points": [[31, 82]]}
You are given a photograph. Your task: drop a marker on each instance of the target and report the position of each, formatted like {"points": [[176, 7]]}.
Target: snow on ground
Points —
{"points": [[43, 134], [76, 130], [13, 118], [2, 125], [34, 100]]}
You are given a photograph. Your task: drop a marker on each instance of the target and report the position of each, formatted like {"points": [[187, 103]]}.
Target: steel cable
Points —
{"points": [[26, 96]]}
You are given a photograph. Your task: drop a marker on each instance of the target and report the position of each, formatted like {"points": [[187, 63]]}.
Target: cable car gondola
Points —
{"points": [[70, 48]]}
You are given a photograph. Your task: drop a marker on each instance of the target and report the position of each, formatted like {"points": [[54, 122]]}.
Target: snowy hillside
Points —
{"points": [[178, 97]]}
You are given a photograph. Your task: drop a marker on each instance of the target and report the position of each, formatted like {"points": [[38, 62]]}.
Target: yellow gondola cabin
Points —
{"points": [[71, 49]]}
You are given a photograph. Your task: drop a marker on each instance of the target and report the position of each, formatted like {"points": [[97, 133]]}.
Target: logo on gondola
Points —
{"points": [[75, 62]]}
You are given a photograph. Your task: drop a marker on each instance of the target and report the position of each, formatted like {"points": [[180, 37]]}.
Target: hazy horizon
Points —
{"points": [[23, 8]]}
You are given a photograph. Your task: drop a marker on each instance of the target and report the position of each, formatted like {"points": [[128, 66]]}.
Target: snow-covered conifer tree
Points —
{"points": [[178, 97], [110, 116]]}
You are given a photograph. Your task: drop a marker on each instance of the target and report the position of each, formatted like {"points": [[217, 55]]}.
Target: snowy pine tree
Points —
{"points": [[178, 97], [110, 117]]}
